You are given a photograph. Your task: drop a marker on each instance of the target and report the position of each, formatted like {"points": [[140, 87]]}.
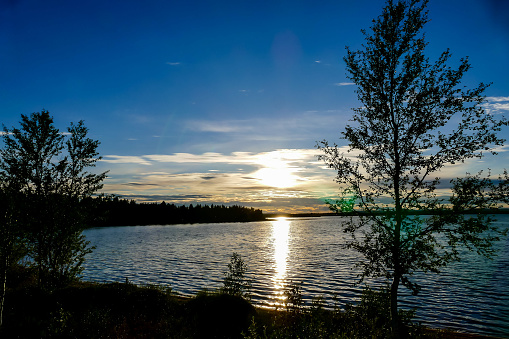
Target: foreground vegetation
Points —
{"points": [[45, 184], [125, 310]]}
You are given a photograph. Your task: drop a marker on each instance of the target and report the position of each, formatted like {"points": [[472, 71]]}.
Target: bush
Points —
{"points": [[219, 315], [371, 317], [235, 282]]}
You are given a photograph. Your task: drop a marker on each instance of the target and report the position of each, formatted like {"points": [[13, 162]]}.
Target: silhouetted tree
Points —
{"points": [[414, 120], [122, 212], [12, 238], [235, 281], [51, 171]]}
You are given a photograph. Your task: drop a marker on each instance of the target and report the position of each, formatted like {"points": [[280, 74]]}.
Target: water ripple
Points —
{"points": [[472, 295]]}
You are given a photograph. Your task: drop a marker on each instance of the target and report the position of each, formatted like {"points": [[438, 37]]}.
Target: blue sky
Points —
{"points": [[220, 101]]}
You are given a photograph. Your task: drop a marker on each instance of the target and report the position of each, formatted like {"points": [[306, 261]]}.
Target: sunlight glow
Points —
{"points": [[281, 241], [276, 177], [277, 171]]}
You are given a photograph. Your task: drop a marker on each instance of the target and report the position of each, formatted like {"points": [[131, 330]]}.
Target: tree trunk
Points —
{"points": [[396, 253], [395, 323], [396, 256], [3, 286]]}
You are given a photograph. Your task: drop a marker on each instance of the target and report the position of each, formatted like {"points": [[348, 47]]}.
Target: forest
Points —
{"points": [[123, 212]]}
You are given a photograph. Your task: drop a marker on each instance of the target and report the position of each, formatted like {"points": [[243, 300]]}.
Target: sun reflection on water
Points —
{"points": [[281, 241]]}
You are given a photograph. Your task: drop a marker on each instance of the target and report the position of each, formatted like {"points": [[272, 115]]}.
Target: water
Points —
{"points": [[471, 296]]}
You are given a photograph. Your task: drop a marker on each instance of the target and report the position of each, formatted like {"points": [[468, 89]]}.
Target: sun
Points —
{"points": [[280, 177], [277, 169]]}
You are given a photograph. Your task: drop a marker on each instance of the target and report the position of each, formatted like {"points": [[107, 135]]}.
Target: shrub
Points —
{"points": [[372, 316], [235, 282]]}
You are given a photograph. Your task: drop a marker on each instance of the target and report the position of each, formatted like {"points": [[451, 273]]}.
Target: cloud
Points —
{"points": [[139, 184], [124, 159], [344, 84], [497, 99], [303, 126], [249, 158], [497, 105], [227, 126], [237, 178], [299, 161], [187, 174], [213, 177], [167, 198], [499, 149], [205, 158], [173, 63], [223, 185]]}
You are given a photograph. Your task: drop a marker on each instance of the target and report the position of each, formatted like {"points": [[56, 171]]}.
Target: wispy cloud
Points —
{"points": [[499, 149], [320, 62], [125, 159], [205, 158], [497, 105], [167, 197], [344, 84], [239, 177], [226, 126], [173, 63], [139, 184], [250, 158], [309, 125], [186, 173], [497, 99]]}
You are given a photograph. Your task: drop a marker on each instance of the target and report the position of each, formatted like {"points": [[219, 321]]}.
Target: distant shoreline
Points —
{"points": [[359, 213], [266, 216]]}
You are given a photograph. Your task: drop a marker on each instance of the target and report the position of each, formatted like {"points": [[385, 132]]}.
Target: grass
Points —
{"points": [[119, 310]]}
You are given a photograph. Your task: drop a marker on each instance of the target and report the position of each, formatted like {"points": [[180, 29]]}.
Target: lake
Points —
{"points": [[472, 295]]}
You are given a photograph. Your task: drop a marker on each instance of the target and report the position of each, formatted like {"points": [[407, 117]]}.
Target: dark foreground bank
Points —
{"points": [[124, 310]]}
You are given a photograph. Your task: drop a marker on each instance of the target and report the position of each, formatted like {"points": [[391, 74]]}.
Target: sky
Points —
{"points": [[221, 101]]}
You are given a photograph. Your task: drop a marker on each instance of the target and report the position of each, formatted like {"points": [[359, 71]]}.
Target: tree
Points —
{"points": [[415, 119], [50, 171], [235, 282], [12, 244]]}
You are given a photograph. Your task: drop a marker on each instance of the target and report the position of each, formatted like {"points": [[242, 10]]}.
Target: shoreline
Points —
{"points": [[359, 213]]}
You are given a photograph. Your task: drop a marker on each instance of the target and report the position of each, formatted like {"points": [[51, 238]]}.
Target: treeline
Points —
{"points": [[123, 212], [445, 211]]}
